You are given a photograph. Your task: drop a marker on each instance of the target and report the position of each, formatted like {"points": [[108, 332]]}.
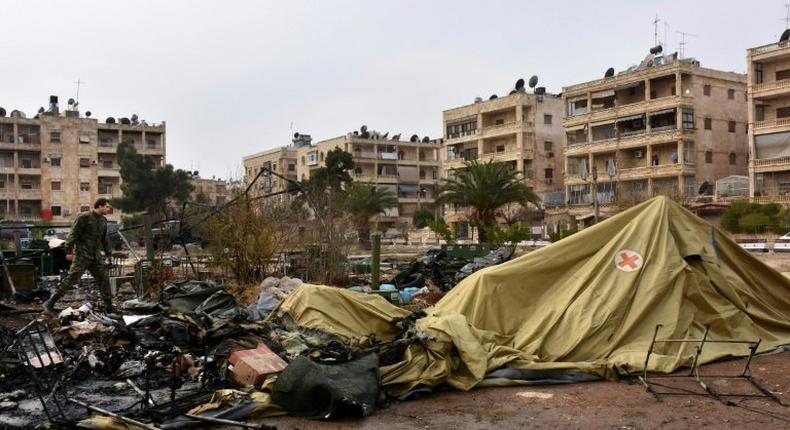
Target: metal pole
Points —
{"points": [[113, 415], [375, 262]]}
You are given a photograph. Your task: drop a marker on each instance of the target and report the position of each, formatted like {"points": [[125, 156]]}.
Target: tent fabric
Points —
{"points": [[589, 303]]}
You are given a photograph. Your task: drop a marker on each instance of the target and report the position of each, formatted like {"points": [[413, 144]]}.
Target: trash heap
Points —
{"points": [[442, 271]]}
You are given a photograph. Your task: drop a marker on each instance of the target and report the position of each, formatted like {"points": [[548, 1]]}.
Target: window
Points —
{"points": [[85, 186], [759, 113], [547, 118], [782, 74], [54, 136], [672, 90], [105, 188], [708, 156], [26, 184], [732, 158], [150, 143], [548, 174], [85, 208], [500, 148], [55, 185], [689, 156], [26, 163], [708, 124], [54, 161], [731, 126], [548, 146], [653, 94], [731, 94], [85, 162], [783, 112], [706, 89], [758, 73], [55, 210], [500, 122], [688, 118], [291, 167]]}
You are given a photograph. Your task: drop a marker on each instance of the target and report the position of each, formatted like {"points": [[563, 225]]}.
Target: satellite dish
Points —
{"points": [[384, 136], [41, 110], [71, 102], [396, 136], [110, 120], [296, 135], [135, 118], [533, 81], [785, 35], [125, 121], [363, 129], [2, 112], [520, 85], [478, 99], [196, 173], [656, 49], [426, 139], [609, 72], [493, 96], [414, 138], [87, 114]]}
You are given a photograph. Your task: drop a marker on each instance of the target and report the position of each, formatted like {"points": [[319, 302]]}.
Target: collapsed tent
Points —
{"points": [[586, 305]]}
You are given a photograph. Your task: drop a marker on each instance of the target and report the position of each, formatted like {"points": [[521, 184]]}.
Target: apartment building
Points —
{"points": [[55, 165], [667, 126], [769, 118], [282, 161], [211, 191], [410, 169], [522, 129]]}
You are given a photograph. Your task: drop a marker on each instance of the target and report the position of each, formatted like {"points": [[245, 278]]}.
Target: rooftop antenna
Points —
{"points": [[666, 39], [682, 44], [787, 16], [655, 30], [79, 83]]}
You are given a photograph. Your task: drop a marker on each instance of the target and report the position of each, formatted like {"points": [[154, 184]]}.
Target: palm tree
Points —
{"points": [[363, 201], [485, 187]]}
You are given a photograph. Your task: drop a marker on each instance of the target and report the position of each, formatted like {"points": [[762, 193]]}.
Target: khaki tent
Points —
{"points": [[582, 306]]}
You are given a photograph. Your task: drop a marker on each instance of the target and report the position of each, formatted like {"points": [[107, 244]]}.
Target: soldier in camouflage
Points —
{"points": [[87, 240]]}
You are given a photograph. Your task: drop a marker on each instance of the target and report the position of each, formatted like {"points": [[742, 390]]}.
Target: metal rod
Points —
{"points": [[113, 414], [752, 351], [650, 351], [231, 422], [146, 398], [694, 369]]}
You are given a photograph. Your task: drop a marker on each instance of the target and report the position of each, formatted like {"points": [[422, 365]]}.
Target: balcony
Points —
{"points": [[387, 178], [107, 148], [771, 50], [624, 110], [365, 178], [29, 170], [502, 129], [113, 173], [463, 137], [507, 155], [7, 194], [771, 125], [365, 155], [761, 165], [770, 89], [29, 194]]}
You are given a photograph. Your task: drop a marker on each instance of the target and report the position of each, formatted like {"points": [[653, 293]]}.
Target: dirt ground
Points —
{"points": [[592, 405]]}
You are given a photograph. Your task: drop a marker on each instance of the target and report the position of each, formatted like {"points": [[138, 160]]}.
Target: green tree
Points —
{"points": [[745, 217], [364, 201], [485, 187], [440, 227], [147, 186], [422, 216], [509, 236]]}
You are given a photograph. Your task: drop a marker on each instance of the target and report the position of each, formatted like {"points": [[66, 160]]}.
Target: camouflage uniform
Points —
{"points": [[89, 237]]}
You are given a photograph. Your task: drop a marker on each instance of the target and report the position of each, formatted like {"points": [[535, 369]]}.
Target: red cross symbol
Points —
{"points": [[627, 260]]}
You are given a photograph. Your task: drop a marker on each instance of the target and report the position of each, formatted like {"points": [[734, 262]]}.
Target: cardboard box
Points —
{"points": [[252, 366]]}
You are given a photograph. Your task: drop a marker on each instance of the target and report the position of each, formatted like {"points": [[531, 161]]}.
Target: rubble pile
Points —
{"points": [[442, 271]]}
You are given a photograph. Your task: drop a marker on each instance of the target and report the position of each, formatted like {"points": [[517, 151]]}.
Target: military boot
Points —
{"points": [[49, 305]]}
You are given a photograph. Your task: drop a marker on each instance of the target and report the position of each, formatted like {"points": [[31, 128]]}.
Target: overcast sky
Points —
{"points": [[232, 78]]}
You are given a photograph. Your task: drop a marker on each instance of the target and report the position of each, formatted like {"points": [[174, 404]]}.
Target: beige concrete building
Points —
{"points": [[409, 169], [55, 165], [280, 160], [214, 192], [769, 120], [667, 126], [522, 129]]}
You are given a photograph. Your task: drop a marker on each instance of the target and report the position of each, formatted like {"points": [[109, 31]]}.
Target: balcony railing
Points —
{"points": [[772, 162], [777, 122], [765, 86], [770, 47]]}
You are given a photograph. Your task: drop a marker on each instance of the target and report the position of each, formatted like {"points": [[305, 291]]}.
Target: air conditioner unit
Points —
{"points": [[45, 159], [639, 153]]}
